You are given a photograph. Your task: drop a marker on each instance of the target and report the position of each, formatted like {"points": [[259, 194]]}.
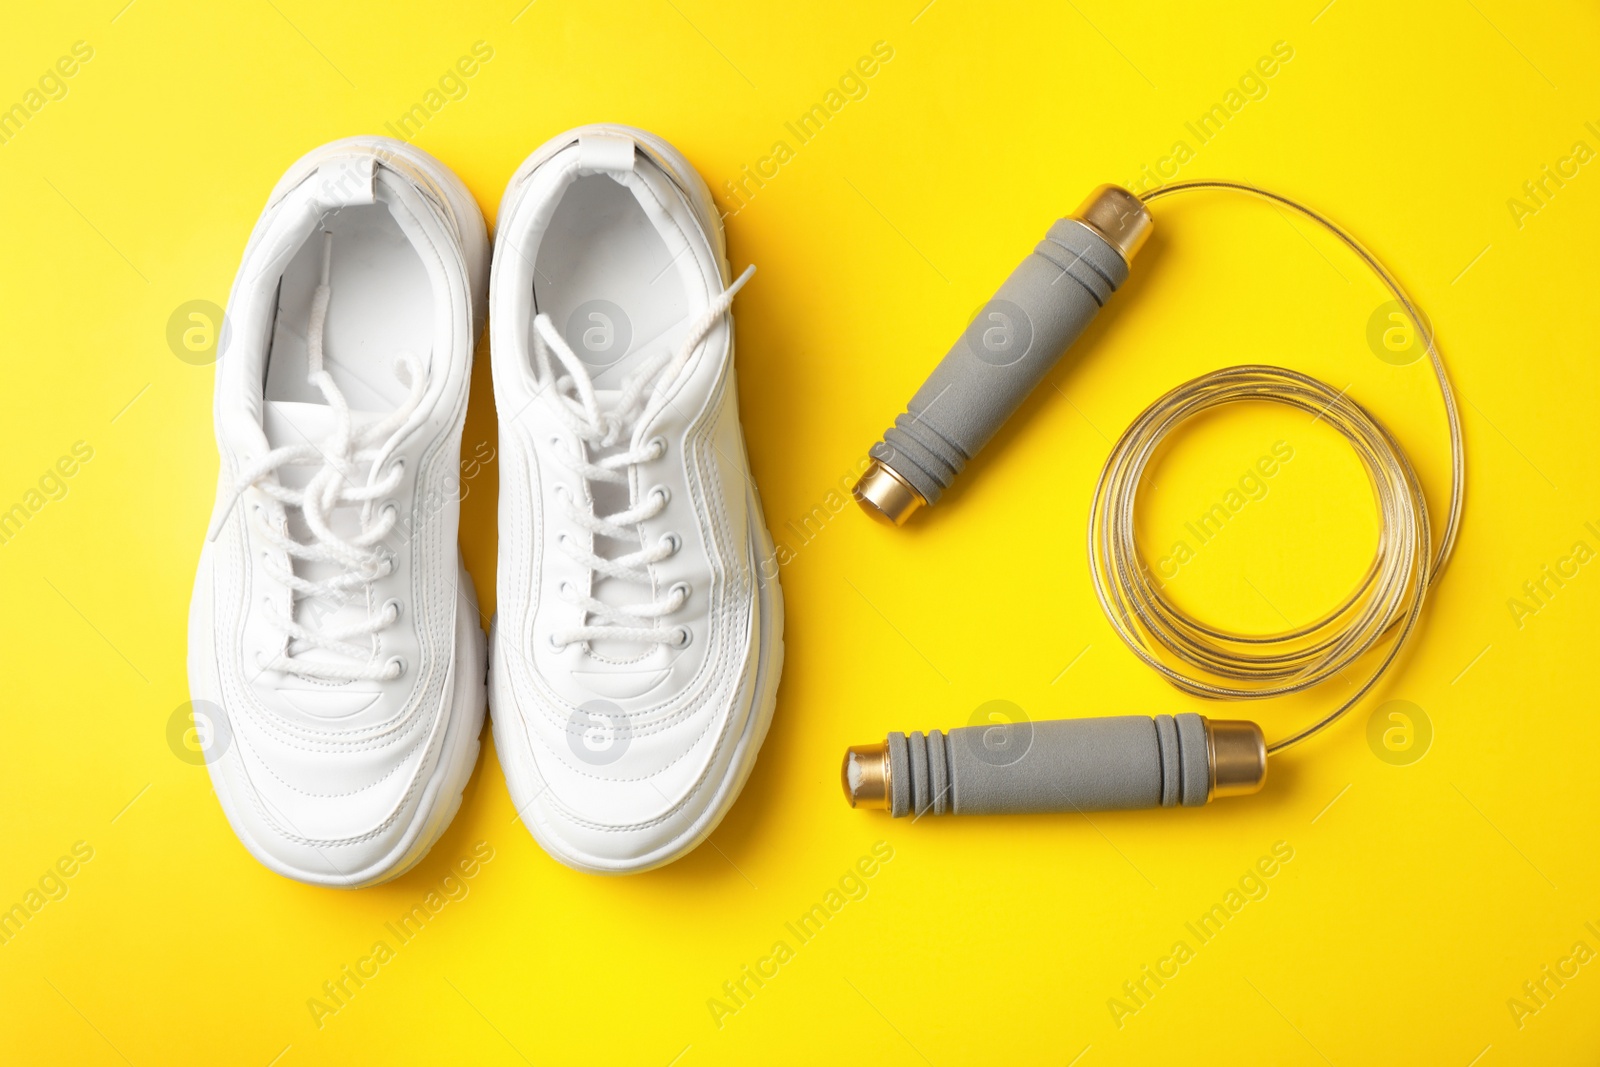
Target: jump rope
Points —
{"points": [[1136, 761]]}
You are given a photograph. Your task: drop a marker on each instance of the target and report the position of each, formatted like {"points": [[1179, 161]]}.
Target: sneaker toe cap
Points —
{"points": [[329, 818]]}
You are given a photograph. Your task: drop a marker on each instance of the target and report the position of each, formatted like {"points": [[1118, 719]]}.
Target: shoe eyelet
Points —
{"points": [[399, 464], [658, 445], [664, 493], [680, 637], [396, 667], [556, 646], [391, 608], [673, 543], [683, 589]]}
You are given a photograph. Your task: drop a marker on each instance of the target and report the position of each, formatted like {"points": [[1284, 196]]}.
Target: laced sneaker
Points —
{"points": [[637, 645], [334, 641]]}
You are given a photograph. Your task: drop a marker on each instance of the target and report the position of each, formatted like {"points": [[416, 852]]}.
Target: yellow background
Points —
{"points": [[1419, 898]]}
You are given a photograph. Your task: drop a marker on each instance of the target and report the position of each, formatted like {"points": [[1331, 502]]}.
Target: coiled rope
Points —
{"points": [[1383, 608]]}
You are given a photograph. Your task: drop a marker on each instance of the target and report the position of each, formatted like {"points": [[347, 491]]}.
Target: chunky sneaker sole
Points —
{"points": [[639, 639], [336, 662]]}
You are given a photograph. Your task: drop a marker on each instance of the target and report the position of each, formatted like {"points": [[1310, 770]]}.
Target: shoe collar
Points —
{"points": [[518, 236], [292, 218]]}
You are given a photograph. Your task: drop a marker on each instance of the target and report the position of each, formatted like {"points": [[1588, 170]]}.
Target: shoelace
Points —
{"points": [[337, 483], [579, 409]]}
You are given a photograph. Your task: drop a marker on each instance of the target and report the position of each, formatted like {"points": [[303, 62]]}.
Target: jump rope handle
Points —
{"points": [[1018, 336], [1104, 764], [1098, 764]]}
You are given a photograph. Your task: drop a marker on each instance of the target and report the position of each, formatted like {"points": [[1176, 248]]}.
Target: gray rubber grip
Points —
{"points": [[1021, 333], [1105, 764]]}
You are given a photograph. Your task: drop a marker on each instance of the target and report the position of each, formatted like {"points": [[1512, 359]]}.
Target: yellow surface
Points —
{"points": [[1419, 897]]}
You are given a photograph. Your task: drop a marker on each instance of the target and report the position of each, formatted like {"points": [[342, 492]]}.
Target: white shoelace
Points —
{"points": [[338, 482], [579, 409]]}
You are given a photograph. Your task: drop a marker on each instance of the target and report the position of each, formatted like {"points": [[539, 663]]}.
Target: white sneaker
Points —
{"points": [[333, 637], [637, 645]]}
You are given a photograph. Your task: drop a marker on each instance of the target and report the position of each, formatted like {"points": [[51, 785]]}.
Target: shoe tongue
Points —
{"points": [[287, 423], [293, 422], [607, 399], [610, 498]]}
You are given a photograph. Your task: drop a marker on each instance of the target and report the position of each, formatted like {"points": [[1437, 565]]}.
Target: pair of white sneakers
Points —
{"points": [[334, 635]]}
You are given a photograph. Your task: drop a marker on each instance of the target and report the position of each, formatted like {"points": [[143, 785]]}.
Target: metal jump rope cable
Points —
{"points": [[1385, 603]]}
